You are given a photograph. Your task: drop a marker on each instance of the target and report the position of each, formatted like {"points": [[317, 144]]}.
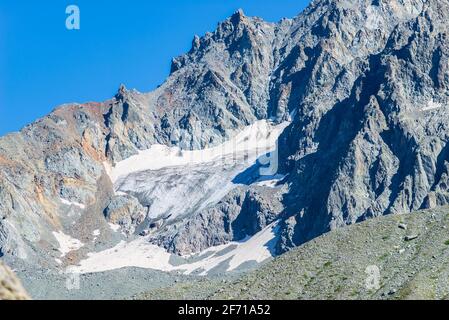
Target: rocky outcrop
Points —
{"points": [[380, 147], [10, 286], [52, 172], [125, 211], [241, 214]]}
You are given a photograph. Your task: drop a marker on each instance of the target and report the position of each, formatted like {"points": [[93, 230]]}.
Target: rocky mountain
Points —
{"points": [[376, 142], [264, 135]]}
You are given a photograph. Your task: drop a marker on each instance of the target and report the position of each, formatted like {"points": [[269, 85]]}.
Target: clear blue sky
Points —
{"points": [[43, 65]]}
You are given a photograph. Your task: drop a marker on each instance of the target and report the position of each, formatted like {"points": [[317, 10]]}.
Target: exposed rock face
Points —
{"points": [[221, 85], [364, 83], [381, 146], [125, 211], [10, 286], [243, 212]]}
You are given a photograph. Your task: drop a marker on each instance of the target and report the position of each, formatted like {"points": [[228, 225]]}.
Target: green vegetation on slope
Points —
{"points": [[411, 253]]}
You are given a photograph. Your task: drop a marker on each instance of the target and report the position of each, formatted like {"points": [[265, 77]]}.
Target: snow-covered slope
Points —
{"points": [[251, 142], [67, 244], [174, 183], [140, 253]]}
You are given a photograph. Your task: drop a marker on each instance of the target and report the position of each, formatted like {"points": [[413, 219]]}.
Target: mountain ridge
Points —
{"points": [[363, 87]]}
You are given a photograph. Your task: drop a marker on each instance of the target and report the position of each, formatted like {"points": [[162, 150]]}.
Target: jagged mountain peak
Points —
{"points": [[361, 88], [121, 92], [238, 16]]}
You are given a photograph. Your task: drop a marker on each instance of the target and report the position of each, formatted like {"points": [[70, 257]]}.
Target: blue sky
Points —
{"points": [[43, 65]]}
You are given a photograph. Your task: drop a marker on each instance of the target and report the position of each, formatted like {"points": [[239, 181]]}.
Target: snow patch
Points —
{"points": [[140, 253], [258, 139], [431, 105], [69, 203], [96, 233], [175, 183], [114, 227], [67, 244], [270, 181]]}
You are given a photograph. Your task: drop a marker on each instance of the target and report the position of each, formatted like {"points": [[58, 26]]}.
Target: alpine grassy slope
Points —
{"points": [[409, 251], [350, 99], [339, 265]]}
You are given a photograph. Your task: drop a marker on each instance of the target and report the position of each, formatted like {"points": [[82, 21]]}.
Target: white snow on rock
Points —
{"points": [[114, 227], [174, 183], [255, 139], [270, 181], [432, 105], [96, 233], [70, 203], [67, 244], [139, 253]]}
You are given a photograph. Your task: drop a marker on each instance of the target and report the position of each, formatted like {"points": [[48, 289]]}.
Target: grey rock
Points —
{"points": [[243, 212], [371, 145], [10, 286], [127, 212], [411, 237]]}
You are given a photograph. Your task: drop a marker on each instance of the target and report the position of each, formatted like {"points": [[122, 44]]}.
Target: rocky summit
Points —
{"points": [[263, 137]]}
